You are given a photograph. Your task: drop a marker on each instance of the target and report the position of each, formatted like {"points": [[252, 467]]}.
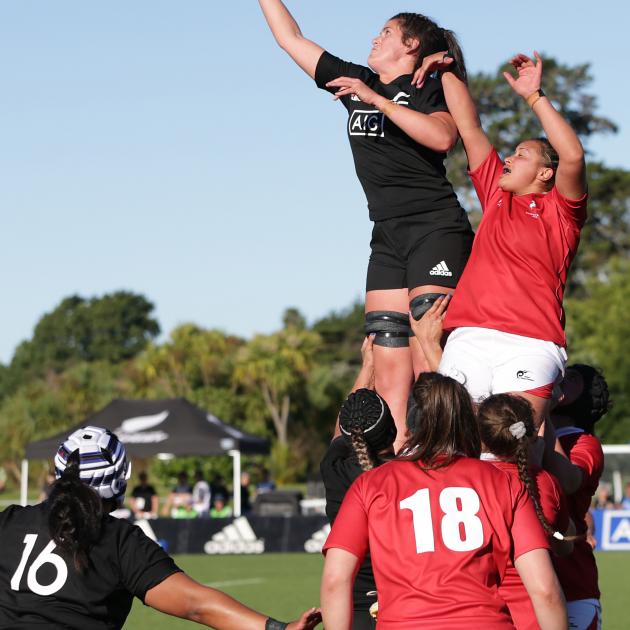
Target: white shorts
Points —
{"points": [[585, 614], [489, 362]]}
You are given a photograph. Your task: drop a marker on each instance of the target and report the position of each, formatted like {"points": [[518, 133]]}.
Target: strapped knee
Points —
{"points": [[391, 328], [422, 303]]}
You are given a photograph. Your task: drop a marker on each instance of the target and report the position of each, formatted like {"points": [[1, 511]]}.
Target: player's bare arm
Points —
{"points": [[461, 106], [543, 588], [181, 596], [336, 588], [289, 36], [571, 172]]}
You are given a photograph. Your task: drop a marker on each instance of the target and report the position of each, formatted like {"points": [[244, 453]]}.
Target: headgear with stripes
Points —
{"points": [[103, 463]]}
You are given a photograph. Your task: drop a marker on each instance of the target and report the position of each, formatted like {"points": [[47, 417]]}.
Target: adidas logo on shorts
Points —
{"points": [[315, 543], [238, 537], [440, 270]]}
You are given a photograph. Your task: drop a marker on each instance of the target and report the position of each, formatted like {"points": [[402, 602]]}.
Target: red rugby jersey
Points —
{"points": [[440, 540], [514, 279], [555, 510], [578, 571]]}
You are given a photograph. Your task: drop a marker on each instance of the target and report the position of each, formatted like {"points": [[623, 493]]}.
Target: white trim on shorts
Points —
{"points": [[489, 361]]}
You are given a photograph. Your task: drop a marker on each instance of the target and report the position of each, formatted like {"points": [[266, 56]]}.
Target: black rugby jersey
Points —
{"points": [[39, 588], [399, 176], [339, 469]]}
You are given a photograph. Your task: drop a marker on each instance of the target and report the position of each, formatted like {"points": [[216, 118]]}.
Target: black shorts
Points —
{"points": [[419, 249]]}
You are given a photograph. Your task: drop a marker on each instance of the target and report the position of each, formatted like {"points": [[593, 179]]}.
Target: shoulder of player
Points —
{"points": [[27, 513]]}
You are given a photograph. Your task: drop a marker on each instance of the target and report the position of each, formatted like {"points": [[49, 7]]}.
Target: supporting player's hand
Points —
{"points": [[348, 85], [367, 352], [308, 619], [436, 61], [529, 74], [428, 329]]}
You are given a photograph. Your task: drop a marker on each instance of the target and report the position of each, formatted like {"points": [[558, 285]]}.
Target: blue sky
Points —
{"points": [[170, 148]]}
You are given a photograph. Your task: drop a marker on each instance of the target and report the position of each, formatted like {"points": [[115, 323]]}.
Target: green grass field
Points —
{"points": [[283, 585]]}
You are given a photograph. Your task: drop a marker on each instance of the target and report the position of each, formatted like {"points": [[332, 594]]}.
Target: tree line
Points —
{"points": [[288, 385]]}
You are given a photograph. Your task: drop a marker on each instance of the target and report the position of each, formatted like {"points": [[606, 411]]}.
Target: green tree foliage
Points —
{"points": [[598, 331], [112, 328]]}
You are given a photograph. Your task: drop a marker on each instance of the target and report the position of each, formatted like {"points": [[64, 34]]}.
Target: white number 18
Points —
{"points": [[420, 506]]}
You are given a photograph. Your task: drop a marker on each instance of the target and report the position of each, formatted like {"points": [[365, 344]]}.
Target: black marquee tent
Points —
{"points": [[169, 427]]}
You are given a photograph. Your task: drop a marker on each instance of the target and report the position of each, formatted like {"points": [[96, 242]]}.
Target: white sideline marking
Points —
{"points": [[235, 582]]}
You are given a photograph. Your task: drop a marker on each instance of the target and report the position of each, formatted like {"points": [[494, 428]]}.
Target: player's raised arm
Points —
{"points": [[571, 171], [289, 36], [460, 105]]}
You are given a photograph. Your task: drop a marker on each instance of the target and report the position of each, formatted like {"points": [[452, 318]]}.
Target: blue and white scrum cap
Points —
{"points": [[103, 463]]}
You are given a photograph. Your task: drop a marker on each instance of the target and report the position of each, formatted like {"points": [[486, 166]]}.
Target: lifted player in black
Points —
{"points": [[66, 563], [399, 135]]}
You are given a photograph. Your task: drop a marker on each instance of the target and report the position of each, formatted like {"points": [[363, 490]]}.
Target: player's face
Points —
{"points": [[571, 387], [522, 169], [388, 48]]}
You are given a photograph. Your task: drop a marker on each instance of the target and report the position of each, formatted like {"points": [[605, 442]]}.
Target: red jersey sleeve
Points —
{"points": [[587, 453], [485, 177], [350, 530], [572, 210], [527, 532], [552, 500]]}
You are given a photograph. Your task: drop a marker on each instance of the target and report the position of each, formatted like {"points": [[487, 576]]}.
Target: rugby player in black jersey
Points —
{"points": [[66, 563]]}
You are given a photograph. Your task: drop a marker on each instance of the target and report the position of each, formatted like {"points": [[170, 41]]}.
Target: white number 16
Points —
{"points": [[420, 506], [45, 557]]}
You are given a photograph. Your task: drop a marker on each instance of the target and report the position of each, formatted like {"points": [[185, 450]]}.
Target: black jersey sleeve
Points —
{"points": [[330, 67], [429, 98], [143, 563]]}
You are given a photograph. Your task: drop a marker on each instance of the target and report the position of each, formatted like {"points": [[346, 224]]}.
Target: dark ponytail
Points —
{"points": [[506, 423], [75, 514], [432, 39]]}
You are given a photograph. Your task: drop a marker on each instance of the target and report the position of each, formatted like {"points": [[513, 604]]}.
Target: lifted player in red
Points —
{"points": [[506, 318]]}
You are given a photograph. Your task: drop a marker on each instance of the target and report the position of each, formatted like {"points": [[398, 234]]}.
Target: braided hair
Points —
{"points": [[506, 422], [367, 423], [432, 39], [75, 514]]}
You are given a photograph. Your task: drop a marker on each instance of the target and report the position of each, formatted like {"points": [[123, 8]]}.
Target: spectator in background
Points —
{"points": [[47, 486], [625, 502], [217, 486], [603, 497], [266, 484], [201, 494], [181, 495], [219, 508], [246, 504], [144, 499]]}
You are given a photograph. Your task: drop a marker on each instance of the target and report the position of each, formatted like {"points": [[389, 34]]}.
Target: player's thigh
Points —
{"points": [[466, 359], [528, 365]]}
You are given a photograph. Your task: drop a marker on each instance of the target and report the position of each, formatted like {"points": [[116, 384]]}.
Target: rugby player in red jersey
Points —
{"points": [[578, 455], [507, 318], [441, 527]]}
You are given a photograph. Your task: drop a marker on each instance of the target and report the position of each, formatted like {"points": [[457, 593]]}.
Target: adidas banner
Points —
{"points": [[246, 534]]}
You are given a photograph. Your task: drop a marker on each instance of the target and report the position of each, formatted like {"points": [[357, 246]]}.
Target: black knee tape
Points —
{"points": [[391, 328], [422, 303]]}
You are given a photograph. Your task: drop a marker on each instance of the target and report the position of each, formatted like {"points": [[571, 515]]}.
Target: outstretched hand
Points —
{"points": [[436, 61], [308, 619], [348, 86], [529, 74]]}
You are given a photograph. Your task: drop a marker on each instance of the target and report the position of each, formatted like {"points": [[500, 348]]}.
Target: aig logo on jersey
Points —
{"points": [[364, 122]]}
